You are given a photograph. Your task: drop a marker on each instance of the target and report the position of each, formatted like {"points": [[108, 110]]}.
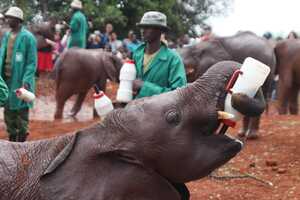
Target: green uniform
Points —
{"points": [[18, 71], [3, 92], [164, 73], [79, 29]]}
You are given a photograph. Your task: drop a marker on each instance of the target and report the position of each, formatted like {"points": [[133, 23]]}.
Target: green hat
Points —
{"points": [[154, 19]]}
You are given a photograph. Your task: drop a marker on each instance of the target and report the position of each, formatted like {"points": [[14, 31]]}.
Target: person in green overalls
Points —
{"points": [[159, 69], [78, 27], [18, 61], [3, 92]]}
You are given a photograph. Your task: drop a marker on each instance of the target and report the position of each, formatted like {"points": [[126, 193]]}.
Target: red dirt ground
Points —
{"points": [[269, 166]]}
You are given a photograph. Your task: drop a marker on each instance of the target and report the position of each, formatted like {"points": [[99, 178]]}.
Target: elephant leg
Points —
{"points": [[62, 95], [252, 132], [293, 101], [78, 103], [283, 95], [245, 127]]}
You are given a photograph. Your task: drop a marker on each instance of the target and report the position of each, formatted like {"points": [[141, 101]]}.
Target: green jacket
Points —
{"points": [[23, 63], [3, 92], [79, 29], [165, 73]]}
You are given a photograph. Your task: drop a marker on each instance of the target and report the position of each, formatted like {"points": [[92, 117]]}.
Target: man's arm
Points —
{"points": [[3, 92], [30, 63], [176, 79]]}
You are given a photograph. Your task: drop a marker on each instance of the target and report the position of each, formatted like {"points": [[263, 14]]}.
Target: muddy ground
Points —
{"points": [[267, 168]]}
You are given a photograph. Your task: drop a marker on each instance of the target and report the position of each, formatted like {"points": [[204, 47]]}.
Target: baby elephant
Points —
{"points": [[137, 153], [77, 70]]}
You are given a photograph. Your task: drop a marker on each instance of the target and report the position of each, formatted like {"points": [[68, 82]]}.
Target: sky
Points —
{"points": [[259, 16]]}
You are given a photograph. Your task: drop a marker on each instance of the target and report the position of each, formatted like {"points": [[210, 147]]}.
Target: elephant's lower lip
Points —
{"points": [[235, 147], [235, 139]]}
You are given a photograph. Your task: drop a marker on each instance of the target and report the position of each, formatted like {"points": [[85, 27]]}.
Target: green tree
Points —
{"points": [[183, 15]]}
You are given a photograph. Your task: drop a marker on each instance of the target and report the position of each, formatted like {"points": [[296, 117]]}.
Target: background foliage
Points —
{"points": [[183, 15]]}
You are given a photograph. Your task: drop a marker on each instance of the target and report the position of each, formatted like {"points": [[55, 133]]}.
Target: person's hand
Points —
{"points": [[136, 86], [26, 86]]}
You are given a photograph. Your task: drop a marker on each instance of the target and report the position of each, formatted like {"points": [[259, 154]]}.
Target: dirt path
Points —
{"points": [[273, 161]]}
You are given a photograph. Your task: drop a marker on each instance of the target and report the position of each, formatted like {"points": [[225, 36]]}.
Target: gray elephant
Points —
{"points": [[198, 58], [136, 153], [288, 69], [77, 70]]}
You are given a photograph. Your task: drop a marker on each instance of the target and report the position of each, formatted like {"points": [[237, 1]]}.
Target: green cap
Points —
{"points": [[154, 19]]}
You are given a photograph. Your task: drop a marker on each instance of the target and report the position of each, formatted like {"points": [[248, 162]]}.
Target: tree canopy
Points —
{"points": [[183, 15]]}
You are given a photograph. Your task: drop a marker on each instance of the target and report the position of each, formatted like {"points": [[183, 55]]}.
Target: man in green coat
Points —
{"points": [[159, 69], [78, 26], [18, 59], [3, 92]]}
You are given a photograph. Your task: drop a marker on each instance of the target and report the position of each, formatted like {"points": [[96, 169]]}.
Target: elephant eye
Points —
{"points": [[173, 117]]}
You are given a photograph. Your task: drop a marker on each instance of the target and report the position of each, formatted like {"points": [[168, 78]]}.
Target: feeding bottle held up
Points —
{"points": [[252, 76], [102, 103], [127, 76], [25, 95]]}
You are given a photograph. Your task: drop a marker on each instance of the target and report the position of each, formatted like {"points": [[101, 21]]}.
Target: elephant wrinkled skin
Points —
{"points": [[77, 70], [198, 58], [135, 153]]}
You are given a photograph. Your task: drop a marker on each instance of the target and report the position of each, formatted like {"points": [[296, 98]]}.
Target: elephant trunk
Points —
{"points": [[210, 87]]}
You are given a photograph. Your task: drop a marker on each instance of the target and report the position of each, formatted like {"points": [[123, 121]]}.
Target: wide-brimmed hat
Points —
{"points": [[15, 12], [76, 4], [154, 19]]}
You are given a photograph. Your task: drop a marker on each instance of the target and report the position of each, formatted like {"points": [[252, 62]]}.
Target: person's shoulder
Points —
{"points": [[27, 34], [79, 14], [171, 52], [141, 46]]}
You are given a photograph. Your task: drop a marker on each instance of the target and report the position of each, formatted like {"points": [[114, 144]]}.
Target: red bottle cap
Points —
{"points": [[99, 95], [130, 61], [229, 122]]}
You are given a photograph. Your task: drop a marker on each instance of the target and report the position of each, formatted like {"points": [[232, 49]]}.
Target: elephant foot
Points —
{"points": [[58, 116], [242, 133], [72, 114], [252, 134]]}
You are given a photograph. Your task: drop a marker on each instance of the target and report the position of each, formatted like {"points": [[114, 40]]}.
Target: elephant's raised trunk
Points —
{"points": [[210, 87]]}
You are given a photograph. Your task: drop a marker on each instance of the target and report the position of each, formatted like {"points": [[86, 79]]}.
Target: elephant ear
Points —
{"points": [[73, 174], [112, 67], [47, 180]]}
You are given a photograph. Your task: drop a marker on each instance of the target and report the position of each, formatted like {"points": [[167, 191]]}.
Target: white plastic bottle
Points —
{"points": [[127, 76], [254, 74], [25, 95], [102, 104]]}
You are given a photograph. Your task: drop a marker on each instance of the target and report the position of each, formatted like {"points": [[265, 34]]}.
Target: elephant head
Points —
{"points": [[172, 135], [198, 58], [112, 67]]}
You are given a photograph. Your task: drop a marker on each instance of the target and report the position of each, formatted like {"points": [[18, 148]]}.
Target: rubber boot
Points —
{"points": [[22, 137], [12, 138]]}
